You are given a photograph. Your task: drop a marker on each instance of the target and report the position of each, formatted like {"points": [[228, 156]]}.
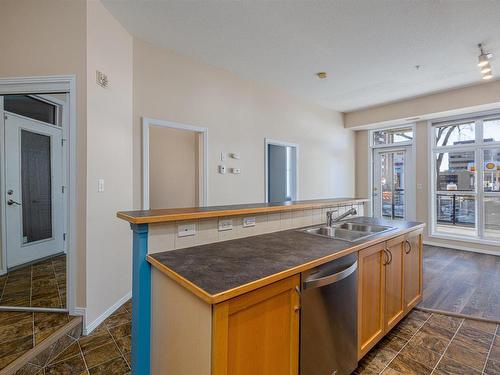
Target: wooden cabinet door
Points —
{"points": [[371, 295], [394, 274], [258, 332], [413, 269]]}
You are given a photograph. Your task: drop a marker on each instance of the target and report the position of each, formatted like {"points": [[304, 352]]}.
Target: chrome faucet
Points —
{"points": [[330, 219]]}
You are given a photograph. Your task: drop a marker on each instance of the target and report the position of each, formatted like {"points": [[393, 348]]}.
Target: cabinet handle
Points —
{"points": [[297, 289], [386, 258], [298, 307], [389, 255], [408, 248]]}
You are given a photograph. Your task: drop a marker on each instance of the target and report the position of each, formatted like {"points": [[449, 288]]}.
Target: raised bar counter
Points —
{"points": [[194, 213]]}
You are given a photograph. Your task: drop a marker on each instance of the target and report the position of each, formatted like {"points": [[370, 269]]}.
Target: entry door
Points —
{"points": [[33, 187], [390, 183]]}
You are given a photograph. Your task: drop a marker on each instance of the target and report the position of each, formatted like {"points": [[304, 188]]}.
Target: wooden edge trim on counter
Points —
{"points": [[208, 298], [242, 289], [155, 216]]}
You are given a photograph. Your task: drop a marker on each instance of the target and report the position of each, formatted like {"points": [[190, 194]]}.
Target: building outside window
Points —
{"points": [[466, 178]]}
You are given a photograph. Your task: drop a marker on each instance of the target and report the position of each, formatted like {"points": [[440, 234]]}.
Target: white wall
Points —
{"points": [[472, 98], [109, 156], [239, 114]]}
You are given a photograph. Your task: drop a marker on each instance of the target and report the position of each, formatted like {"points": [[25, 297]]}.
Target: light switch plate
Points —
{"points": [[249, 221], [184, 230], [225, 224], [222, 169], [100, 185]]}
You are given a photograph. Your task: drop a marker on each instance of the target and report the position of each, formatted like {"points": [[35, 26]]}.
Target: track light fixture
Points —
{"points": [[484, 62], [486, 69]]}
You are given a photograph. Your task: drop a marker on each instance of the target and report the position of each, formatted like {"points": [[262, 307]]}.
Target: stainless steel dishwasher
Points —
{"points": [[328, 325]]}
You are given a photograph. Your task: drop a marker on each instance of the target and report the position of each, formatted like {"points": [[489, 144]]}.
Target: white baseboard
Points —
{"points": [[79, 311], [89, 327], [464, 248]]}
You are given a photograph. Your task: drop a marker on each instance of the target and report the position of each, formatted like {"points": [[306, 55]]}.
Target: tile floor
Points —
{"points": [[41, 284], [426, 343], [21, 331], [104, 352]]}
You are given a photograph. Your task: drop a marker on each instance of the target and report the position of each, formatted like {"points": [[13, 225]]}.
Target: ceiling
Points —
{"points": [[368, 47]]}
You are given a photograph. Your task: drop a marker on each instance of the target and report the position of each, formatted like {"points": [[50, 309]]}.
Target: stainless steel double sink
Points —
{"points": [[347, 231]]}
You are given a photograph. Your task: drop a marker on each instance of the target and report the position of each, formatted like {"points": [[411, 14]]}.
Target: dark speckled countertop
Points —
{"points": [[222, 270]]}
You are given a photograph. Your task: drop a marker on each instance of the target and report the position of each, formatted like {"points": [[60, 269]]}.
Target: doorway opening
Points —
{"points": [[174, 165], [393, 174], [38, 200], [281, 172]]}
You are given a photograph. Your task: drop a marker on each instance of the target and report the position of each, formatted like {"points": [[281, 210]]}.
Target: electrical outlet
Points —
{"points": [[225, 224], [248, 221], [184, 230]]}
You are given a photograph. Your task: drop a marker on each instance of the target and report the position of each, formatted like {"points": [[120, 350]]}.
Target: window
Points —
{"points": [[466, 178], [30, 106], [491, 130], [393, 136], [455, 134]]}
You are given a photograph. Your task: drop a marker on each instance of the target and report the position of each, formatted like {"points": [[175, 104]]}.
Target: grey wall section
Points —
{"points": [[277, 173]]}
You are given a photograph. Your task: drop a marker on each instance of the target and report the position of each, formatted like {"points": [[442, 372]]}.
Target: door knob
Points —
{"points": [[10, 202]]}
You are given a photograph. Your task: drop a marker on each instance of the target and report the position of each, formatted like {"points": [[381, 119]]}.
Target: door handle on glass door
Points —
{"points": [[10, 202]]}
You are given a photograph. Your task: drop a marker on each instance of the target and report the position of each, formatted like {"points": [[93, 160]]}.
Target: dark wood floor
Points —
{"points": [[462, 282]]}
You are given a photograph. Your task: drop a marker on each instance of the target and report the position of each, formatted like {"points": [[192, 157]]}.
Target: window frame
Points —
{"points": [[478, 148], [372, 132], [411, 144]]}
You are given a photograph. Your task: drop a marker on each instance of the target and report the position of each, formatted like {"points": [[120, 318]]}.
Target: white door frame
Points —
{"points": [[413, 166], [146, 123], [269, 141], [409, 179], [46, 85]]}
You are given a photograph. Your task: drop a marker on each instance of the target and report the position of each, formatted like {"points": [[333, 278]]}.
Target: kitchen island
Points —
{"points": [[233, 307]]}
